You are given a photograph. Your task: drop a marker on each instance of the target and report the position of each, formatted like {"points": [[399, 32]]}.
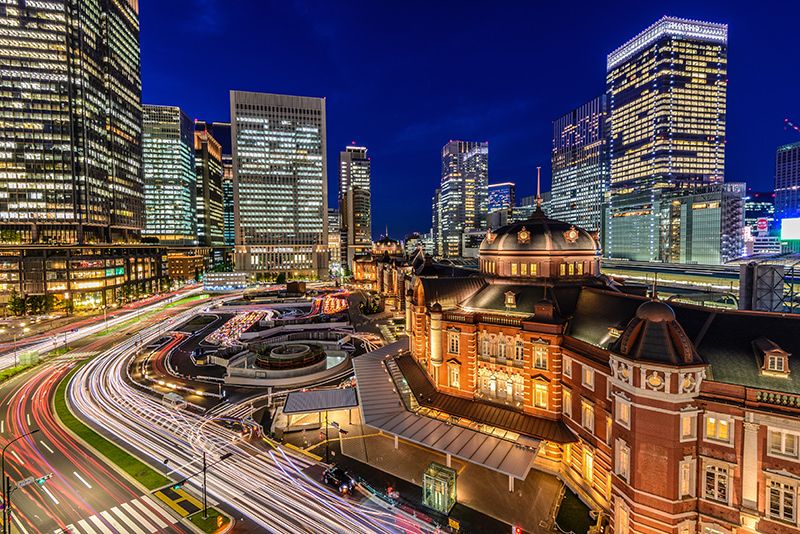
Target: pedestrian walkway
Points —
{"points": [[179, 500], [138, 516]]}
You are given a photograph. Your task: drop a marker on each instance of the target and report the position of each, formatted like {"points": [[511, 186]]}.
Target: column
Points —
{"points": [[449, 460], [750, 468], [510, 484]]}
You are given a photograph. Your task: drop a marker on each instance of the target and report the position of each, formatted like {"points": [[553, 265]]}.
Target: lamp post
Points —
{"points": [[6, 487], [183, 481]]}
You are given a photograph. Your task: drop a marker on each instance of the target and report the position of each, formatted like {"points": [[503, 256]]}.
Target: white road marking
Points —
{"points": [[28, 418], [155, 516], [113, 520], [127, 521], [132, 511], [17, 457], [20, 526], [2, 427], [47, 491], [100, 525], [46, 446], [86, 526], [82, 479]]}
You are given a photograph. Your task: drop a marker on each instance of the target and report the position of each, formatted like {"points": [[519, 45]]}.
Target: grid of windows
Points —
{"points": [[782, 499], [717, 483]]}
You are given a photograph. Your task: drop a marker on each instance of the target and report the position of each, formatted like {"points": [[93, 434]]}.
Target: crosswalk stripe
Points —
{"points": [[132, 511], [85, 526], [127, 521], [155, 516], [20, 526], [111, 519], [100, 525]]}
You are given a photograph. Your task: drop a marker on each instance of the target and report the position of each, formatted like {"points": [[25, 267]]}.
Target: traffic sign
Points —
{"points": [[25, 482]]}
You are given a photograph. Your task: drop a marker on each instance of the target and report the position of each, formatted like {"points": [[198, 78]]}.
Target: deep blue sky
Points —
{"points": [[404, 77]]}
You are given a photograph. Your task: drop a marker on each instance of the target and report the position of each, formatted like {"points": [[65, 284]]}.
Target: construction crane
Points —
{"points": [[789, 124]]}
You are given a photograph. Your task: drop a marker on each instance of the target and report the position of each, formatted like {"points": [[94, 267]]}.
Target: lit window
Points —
{"points": [[567, 366], [716, 483], [776, 362], [501, 349], [718, 429], [571, 269], [587, 415], [511, 299], [580, 268], [540, 395], [523, 269], [519, 350], [452, 344], [588, 465], [567, 397], [686, 478], [587, 377], [623, 460], [782, 499], [623, 412], [562, 269], [455, 378], [485, 347], [534, 269], [513, 269], [688, 426], [539, 356]]}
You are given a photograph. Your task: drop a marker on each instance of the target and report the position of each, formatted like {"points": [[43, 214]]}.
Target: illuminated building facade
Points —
{"points": [[436, 223], [334, 241], [667, 100], [463, 192], [221, 132], [501, 196], [670, 418], [355, 202], [280, 183], [210, 209], [71, 112], [787, 181], [170, 180], [580, 165]]}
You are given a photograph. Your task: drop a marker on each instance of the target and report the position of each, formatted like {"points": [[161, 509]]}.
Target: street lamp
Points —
{"points": [[6, 487], [183, 481]]}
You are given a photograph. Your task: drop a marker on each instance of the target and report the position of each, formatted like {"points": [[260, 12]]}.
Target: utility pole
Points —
{"points": [[6, 487], [205, 493]]}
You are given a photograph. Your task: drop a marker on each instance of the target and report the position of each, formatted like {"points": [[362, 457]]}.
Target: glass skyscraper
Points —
{"points": [[355, 202], [70, 109], [170, 179], [787, 181], [463, 192], [221, 132], [667, 99], [500, 196], [280, 183], [580, 165], [210, 211]]}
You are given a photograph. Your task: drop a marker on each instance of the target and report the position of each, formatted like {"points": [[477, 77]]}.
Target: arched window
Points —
{"points": [[485, 346], [501, 348]]}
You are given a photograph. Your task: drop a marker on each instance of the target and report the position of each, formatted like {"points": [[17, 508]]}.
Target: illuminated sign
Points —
{"points": [[762, 225], [790, 229]]}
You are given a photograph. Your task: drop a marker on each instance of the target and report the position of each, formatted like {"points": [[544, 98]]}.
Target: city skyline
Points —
{"points": [[514, 112]]}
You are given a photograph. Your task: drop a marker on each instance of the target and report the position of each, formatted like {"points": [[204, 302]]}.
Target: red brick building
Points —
{"points": [[675, 419]]}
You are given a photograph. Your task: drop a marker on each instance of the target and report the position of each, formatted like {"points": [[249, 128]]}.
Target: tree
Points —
{"points": [[281, 279], [16, 303]]}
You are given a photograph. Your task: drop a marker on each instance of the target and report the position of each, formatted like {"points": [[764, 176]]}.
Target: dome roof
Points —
{"points": [[656, 312], [539, 234]]}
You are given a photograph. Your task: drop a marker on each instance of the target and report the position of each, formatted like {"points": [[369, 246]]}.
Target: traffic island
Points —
{"points": [[216, 522]]}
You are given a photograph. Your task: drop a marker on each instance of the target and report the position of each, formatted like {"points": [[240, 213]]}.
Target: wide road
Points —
{"points": [[269, 486], [84, 495]]}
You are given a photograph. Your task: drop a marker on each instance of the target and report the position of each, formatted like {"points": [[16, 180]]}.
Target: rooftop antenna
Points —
{"points": [[538, 189]]}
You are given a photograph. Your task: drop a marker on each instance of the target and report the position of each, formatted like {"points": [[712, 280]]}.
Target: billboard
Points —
{"points": [[790, 229]]}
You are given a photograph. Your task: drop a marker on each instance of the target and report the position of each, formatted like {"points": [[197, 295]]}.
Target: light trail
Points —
{"points": [[271, 489]]}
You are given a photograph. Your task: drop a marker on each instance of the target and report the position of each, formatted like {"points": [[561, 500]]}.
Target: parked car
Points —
{"points": [[338, 478]]}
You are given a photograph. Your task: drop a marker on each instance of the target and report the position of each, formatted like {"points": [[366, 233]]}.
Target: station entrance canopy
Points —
{"points": [[320, 400]]}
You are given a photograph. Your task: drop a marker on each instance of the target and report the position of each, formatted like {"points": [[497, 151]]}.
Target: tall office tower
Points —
{"points": [[436, 223], [355, 209], [221, 132], [787, 181], [334, 241], [170, 180], [465, 170], [501, 196], [580, 165], [280, 183], [70, 110], [210, 210], [667, 99]]}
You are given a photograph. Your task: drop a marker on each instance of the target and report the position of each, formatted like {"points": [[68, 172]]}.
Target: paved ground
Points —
{"points": [[483, 490]]}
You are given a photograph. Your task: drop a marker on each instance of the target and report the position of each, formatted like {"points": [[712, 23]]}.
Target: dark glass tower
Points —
{"points": [[71, 115]]}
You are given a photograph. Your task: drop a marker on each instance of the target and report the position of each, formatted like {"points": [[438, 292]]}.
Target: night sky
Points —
{"points": [[404, 77]]}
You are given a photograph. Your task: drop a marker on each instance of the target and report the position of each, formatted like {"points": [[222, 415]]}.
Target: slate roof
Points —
{"points": [[450, 291], [545, 235], [482, 412], [320, 400]]}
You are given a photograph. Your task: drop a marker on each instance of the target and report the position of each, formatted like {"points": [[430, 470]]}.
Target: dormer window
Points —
{"points": [[774, 360], [511, 299]]}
